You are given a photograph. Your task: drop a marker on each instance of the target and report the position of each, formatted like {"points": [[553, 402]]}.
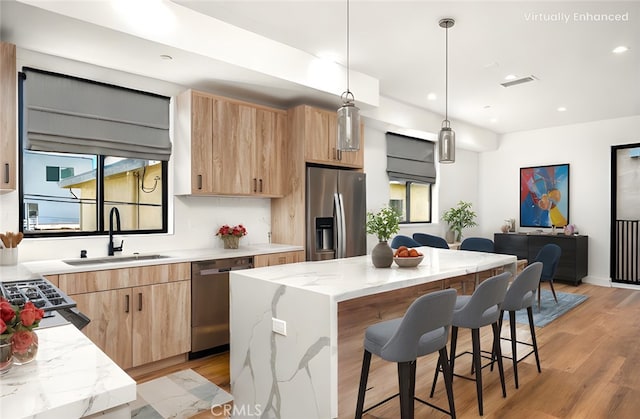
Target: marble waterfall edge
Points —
{"points": [[276, 376]]}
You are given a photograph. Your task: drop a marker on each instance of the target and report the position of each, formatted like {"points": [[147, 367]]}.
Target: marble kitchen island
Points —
{"points": [[312, 370]]}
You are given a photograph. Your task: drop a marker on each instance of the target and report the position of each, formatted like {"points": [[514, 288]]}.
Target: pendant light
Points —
{"points": [[447, 136], [348, 138]]}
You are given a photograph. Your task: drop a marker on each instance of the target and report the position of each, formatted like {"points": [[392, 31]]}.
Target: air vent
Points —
{"points": [[518, 81]]}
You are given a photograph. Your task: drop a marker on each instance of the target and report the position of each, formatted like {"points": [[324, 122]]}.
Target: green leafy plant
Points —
{"points": [[459, 217], [384, 223]]}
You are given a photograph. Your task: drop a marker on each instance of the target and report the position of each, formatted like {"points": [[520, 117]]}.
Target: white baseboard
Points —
{"points": [[601, 282], [607, 282]]}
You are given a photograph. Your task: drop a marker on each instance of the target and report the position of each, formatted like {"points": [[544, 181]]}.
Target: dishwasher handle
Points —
{"points": [[213, 271]]}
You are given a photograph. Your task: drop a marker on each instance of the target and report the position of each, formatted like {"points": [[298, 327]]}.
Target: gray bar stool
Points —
{"points": [[424, 329], [520, 295], [473, 312]]}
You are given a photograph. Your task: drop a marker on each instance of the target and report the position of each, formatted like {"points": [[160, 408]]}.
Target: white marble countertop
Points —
{"points": [[35, 269], [70, 378], [344, 279]]}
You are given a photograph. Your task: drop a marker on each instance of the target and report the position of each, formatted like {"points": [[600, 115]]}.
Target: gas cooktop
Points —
{"points": [[42, 293]]}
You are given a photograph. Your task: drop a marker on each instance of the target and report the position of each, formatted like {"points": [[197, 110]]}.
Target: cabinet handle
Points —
{"points": [[6, 173], [339, 154], [260, 185], [255, 185], [126, 303], [199, 182], [335, 153], [139, 301]]}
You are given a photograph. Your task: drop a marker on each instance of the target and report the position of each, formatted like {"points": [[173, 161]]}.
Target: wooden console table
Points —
{"points": [[574, 261]]}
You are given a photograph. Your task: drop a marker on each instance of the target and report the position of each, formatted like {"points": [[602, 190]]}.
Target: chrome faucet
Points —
{"points": [[112, 248]]}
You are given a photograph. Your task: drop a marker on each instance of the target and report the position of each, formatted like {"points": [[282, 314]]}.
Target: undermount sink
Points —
{"points": [[112, 259]]}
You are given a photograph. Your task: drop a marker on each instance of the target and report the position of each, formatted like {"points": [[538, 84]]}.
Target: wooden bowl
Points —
{"points": [[408, 262]]}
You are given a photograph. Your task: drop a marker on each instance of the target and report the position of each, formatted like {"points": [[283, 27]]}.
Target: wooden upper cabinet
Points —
{"points": [[320, 133], [235, 147], [234, 134], [8, 121], [268, 162], [201, 144]]}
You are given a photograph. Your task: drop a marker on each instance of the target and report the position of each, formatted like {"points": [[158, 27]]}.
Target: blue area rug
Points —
{"points": [[550, 310]]}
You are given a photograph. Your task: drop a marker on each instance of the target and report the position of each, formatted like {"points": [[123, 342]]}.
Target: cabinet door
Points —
{"points": [[512, 244], [317, 135], [201, 144], [111, 320], [234, 135], [268, 160], [161, 321], [8, 121]]}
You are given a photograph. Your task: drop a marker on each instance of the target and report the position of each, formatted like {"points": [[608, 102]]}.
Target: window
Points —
{"points": [[74, 170], [412, 200], [411, 170]]}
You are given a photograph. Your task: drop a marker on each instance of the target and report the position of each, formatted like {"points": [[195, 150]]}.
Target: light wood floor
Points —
{"points": [[590, 367]]}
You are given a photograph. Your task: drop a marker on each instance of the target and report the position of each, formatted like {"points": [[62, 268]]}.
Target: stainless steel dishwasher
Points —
{"points": [[210, 302]]}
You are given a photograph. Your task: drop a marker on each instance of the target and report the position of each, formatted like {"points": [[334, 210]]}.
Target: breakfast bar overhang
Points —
{"points": [[297, 330]]}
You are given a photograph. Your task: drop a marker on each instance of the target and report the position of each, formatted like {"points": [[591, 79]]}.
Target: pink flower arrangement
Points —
{"points": [[237, 231], [18, 323]]}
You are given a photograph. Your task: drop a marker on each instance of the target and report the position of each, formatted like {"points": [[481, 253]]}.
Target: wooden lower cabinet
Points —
{"points": [[161, 321], [282, 258], [135, 323], [111, 323]]}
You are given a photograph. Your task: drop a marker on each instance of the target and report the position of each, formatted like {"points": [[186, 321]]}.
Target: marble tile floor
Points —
{"points": [[178, 395]]}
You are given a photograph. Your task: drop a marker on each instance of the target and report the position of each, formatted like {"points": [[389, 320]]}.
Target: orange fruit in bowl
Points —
{"points": [[413, 253], [403, 253]]}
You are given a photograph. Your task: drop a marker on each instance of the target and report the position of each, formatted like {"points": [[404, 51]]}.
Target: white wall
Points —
{"points": [[587, 148]]}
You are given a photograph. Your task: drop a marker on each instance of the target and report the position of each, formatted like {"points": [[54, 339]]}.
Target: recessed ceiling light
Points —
{"points": [[432, 96], [493, 120], [166, 57], [510, 77], [561, 109], [620, 49], [486, 107]]}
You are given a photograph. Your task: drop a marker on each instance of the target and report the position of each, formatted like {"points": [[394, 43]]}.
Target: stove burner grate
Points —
{"points": [[40, 292]]}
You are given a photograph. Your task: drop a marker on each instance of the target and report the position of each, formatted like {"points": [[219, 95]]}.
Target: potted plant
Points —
{"points": [[383, 224], [459, 217]]}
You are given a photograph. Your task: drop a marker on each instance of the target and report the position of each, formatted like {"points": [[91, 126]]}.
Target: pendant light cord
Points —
{"points": [[446, 75], [347, 46]]}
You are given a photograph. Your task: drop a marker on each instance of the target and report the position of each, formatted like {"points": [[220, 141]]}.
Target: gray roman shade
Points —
{"points": [[70, 115], [410, 159]]}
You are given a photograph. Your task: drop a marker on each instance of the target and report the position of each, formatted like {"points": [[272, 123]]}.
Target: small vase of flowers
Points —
{"points": [[18, 341], [231, 235]]}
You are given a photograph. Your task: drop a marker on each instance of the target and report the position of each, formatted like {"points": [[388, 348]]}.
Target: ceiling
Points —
{"points": [[566, 46]]}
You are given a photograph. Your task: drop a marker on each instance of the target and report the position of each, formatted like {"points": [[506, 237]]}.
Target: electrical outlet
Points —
{"points": [[279, 326]]}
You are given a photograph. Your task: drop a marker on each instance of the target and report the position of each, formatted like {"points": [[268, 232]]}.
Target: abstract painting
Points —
{"points": [[544, 196]]}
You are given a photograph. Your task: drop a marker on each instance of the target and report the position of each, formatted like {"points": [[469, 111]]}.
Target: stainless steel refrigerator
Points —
{"points": [[336, 213]]}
